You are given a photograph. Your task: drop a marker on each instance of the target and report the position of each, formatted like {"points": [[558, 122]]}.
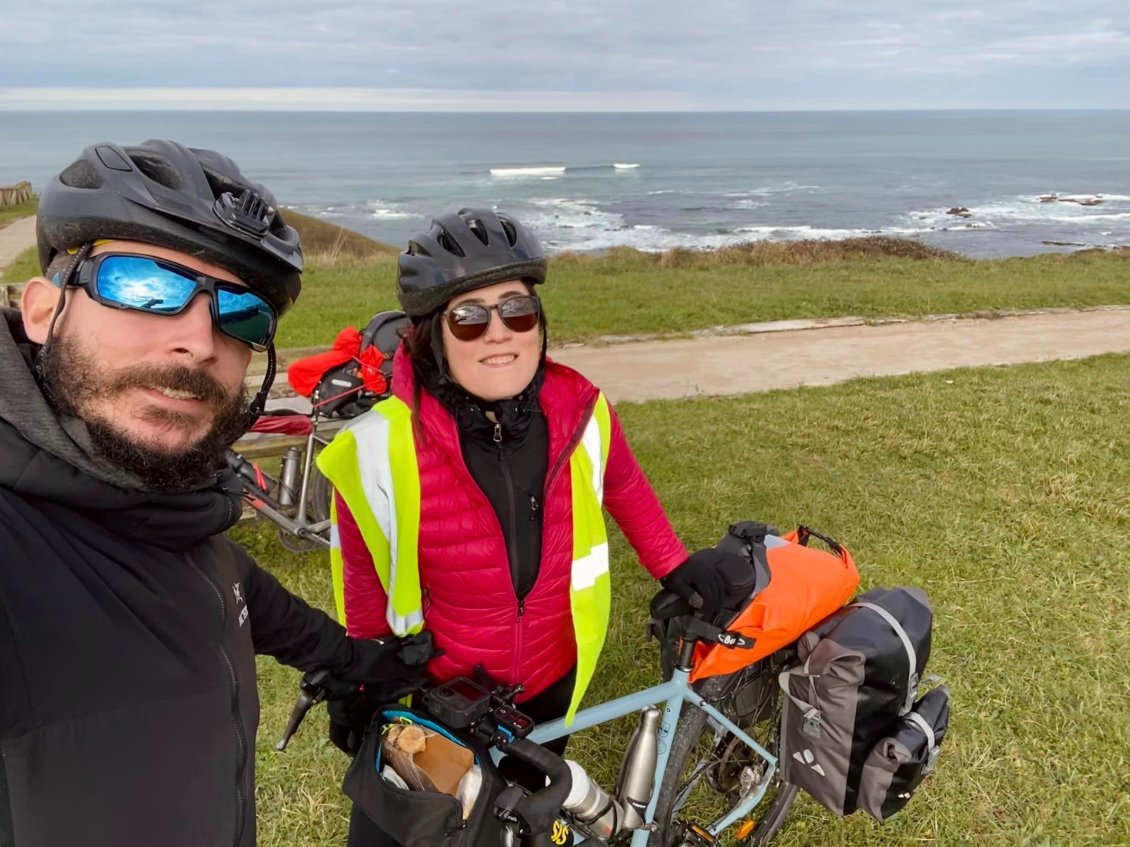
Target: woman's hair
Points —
{"points": [[419, 345]]}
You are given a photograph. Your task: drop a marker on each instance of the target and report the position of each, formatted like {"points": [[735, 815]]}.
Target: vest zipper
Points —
{"points": [[512, 514], [237, 722]]}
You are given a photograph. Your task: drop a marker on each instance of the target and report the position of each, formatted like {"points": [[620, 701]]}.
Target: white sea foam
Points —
{"points": [[625, 166], [379, 209], [598, 230], [564, 216], [1024, 209], [803, 232], [787, 187], [539, 170], [391, 214]]}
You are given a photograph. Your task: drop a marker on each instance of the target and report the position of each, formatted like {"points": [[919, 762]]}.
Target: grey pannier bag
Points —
{"points": [[899, 762], [858, 673]]}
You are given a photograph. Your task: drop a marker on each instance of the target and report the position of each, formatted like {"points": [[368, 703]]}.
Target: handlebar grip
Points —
{"points": [[540, 809]]}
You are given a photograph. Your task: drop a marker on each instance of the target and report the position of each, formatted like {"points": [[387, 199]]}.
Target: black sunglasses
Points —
{"points": [[469, 321], [161, 287]]}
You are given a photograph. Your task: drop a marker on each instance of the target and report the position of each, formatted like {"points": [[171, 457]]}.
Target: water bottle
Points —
{"points": [[593, 812], [637, 773], [288, 476]]}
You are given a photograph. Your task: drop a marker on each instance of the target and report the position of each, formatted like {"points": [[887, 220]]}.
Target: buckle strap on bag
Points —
{"points": [[813, 720], [912, 681], [932, 748]]}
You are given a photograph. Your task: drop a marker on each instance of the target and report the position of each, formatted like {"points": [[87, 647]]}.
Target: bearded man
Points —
{"points": [[128, 623]]}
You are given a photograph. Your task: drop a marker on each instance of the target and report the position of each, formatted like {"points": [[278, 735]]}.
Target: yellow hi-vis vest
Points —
{"points": [[372, 465]]}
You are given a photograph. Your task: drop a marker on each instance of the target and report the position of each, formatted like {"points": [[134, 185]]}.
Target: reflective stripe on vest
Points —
{"points": [[372, 465]]}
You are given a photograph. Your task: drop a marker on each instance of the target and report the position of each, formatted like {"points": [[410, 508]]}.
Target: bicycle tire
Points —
{"points": [[319, 496], [695, 758]]}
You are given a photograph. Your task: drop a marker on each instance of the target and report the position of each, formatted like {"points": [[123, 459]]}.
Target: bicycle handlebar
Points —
{"points": [[535, 812]]}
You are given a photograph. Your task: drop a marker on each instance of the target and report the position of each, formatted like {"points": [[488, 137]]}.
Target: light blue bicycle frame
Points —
{"points": [[673, 694]]}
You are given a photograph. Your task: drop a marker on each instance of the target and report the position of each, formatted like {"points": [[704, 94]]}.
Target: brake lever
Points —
{"points": [[311, 693]]}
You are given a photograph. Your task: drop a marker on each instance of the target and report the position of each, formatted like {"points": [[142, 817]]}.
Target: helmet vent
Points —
{"points": [[450, 244], [157, 169], [81, 174], [480, 231], [508, 228]]}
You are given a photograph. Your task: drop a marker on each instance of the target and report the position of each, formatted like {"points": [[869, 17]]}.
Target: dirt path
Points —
{"points": [[653, 370], [14, 239]]}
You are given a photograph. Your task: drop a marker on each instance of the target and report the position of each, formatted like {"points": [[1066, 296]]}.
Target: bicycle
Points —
{"points": [[721, 761], [340, 387], [715, 755], [297, 501]]}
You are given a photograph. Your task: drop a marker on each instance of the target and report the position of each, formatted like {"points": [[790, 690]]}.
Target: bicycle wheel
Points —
{"points": [[709, 770], [319, 496]]}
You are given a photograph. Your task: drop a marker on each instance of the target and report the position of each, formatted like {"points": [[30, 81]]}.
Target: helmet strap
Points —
{"points": [[437, 348], [260, 401]]}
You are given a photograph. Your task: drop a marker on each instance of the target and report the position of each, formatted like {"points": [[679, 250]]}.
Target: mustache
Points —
{"points": [[173, 378]]}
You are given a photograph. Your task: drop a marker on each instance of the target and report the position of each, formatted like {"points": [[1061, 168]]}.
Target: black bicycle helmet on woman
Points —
{"points": [[460, 252], [186, 199]]}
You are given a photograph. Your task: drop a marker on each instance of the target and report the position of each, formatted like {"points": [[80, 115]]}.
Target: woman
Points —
{"points": [[470, 501]]}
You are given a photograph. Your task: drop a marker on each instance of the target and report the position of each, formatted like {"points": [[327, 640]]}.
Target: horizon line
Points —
{"points": [[447, 101]]}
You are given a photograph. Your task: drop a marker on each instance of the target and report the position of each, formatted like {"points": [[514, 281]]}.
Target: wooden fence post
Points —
{"points": [[13, 195]]}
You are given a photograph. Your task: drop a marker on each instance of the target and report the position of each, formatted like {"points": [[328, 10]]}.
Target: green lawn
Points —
{"points": [[22, 210], [629, 294], [1005, 493]]}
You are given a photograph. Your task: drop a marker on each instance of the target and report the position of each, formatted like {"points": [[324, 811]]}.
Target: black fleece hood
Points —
{"points": [[48, 458]]}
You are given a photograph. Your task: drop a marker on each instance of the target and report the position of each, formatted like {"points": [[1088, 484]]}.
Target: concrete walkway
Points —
{"points": [[14, 239]]}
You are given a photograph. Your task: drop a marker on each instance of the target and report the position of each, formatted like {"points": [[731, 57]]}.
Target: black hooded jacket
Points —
{"points": [[128, 632]]}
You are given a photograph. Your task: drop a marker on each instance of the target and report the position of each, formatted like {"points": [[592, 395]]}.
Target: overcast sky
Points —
{"points": [[565, 54]]}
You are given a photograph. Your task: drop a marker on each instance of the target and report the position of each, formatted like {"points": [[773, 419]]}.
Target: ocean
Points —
{"points": [[983, 183]]}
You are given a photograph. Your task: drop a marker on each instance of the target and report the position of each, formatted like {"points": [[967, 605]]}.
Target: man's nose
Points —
{"points": [[192, 333]]}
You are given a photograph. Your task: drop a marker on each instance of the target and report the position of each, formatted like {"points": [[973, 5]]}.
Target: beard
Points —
{"points": [[74, 380]]}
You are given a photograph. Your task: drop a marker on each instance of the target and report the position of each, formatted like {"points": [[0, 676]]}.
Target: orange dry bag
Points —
{"points": [[806, 585]]}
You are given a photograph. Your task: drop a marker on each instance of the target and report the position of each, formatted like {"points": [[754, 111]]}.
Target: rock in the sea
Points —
{"points": [[960, 211], [1082, 201]]}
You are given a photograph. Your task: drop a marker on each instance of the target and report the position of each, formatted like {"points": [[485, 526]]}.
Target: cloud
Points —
{"points": [[659, 54]]}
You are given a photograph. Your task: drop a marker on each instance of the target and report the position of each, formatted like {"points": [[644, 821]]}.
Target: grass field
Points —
{"points": [[349, 278], [21, 210], [631, 293], [1005, 493]]}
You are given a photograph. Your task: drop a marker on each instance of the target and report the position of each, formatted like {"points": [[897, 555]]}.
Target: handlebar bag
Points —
{"points": [[806, 585], [415, 818], [858, 673]]}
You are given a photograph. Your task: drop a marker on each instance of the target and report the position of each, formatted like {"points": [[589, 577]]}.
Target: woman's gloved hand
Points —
{"points": [[387, 669], [712, 580]]}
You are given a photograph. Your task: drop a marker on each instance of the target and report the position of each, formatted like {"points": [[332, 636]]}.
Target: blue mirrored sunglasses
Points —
{"points": [[160, 287]]}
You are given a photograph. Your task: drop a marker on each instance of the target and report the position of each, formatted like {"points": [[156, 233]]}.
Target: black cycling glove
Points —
{"points": [[712, 580], [387, 669]]}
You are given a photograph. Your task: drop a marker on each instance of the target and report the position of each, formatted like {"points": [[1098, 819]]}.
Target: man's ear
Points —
{"points": [[37, 304]]}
